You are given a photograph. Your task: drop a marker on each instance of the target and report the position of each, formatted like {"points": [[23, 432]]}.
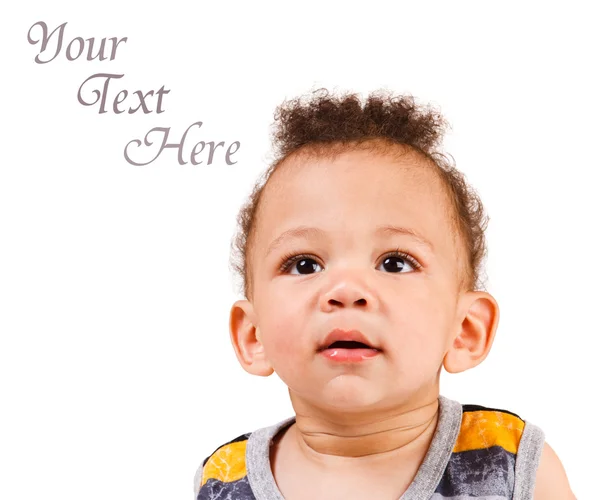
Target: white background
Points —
{"points": [[117, 374]]}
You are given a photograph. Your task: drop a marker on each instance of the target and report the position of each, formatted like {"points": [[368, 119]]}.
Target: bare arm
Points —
{"points": [[551, 481]]}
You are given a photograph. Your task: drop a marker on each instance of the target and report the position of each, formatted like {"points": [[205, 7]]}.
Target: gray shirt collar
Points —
{"points": [[423, 486]]}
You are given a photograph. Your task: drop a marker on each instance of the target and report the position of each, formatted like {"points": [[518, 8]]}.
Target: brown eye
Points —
{"points": [[396, 262], [303, 264]]}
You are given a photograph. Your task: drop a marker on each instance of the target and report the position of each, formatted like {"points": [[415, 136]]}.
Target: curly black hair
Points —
{"points": [[324, 125]]}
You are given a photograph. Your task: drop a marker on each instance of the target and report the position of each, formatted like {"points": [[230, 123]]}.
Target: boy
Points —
{"points": [[360, 257]]}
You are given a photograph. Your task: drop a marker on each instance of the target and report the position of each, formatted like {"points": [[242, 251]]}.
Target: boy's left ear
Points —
{"points": [[472, 343]]}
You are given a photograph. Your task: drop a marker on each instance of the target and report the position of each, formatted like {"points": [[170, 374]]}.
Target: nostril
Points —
{"points": [[360, 302]]}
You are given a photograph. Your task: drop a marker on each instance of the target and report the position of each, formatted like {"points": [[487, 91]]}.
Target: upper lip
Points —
{"points": [[348, 335]]}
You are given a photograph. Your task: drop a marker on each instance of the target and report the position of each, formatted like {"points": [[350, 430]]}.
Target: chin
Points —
{"points": [[350, 399]]}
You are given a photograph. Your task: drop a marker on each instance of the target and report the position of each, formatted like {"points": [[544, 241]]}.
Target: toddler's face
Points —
{"points": [[346, 279]]}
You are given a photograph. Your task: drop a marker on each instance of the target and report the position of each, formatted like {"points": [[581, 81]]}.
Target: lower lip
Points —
{"points": [[349, 355]]}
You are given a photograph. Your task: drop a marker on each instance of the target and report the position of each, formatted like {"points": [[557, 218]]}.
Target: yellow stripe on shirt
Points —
{"points": [[485, 428], [227, 464]]}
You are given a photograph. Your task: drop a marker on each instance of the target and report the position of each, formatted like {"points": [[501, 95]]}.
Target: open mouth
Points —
{"points": [[349, 351], [349, 344]]}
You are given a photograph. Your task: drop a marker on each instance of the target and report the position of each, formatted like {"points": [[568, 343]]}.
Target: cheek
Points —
{"points": [[283, 343], [419, 341], [284, 320], [287, 355], [289, 340], [283, 336]]}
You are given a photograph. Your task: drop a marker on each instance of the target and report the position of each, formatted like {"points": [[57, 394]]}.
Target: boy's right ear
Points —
{"points": [[246, 339]]}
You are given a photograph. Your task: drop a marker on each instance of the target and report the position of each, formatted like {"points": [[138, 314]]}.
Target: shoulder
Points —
{"points": [[539, 473], [226, 464], [551, 479], [484, 427], [225, 474], [484, 457]]}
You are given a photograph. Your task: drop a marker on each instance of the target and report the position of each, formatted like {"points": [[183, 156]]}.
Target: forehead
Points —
{"points": [[352, 194]]}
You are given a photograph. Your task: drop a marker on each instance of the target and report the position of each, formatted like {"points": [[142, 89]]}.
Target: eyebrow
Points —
{"points": [[314, 232]]}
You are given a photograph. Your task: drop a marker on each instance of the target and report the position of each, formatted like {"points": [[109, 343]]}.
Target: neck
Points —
{"points": [[334, 437]]}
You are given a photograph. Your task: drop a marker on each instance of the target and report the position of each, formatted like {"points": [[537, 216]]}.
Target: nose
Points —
{"points": [[347, 291]]}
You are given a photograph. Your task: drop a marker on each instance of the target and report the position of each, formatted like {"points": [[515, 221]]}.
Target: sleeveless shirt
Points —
{"points": [[476, 453]]}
